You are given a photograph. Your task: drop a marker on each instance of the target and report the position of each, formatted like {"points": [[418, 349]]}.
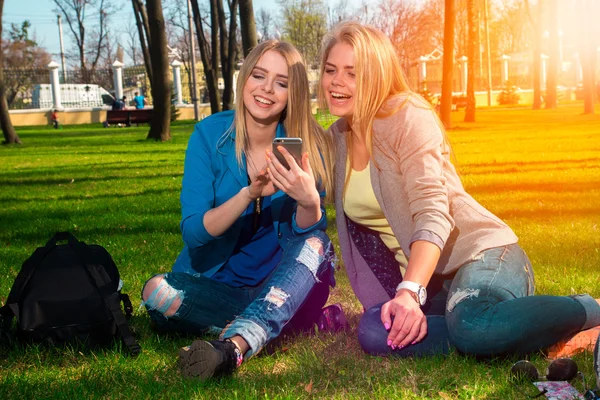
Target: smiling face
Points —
{"points": [[266, 90], [339, 80]]}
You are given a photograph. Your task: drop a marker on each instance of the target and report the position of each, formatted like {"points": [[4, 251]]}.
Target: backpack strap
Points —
{"points": [[113, 301], [59, 236], [111, 298], [127, 305]]}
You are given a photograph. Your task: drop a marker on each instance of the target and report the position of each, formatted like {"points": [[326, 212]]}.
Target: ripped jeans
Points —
{"points": [[488, 309], [291, 296]]}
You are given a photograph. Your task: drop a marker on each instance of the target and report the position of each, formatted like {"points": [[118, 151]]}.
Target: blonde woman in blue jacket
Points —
{"points": [[467, 284], [256, 257]]}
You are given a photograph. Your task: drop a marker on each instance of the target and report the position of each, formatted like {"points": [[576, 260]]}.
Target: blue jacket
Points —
{"points": [[211, 176]]}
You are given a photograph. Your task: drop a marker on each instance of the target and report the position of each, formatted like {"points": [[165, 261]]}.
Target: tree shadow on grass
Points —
{"points": [[85, 168], [19, 182], [81, 134], [517, 164], [521, 169], [91, 197], [41, 235], [549, 215], [72, 151], [582, 187]]}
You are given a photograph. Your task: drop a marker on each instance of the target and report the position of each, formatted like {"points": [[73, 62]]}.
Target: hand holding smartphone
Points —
{"points": [[292, 145]]}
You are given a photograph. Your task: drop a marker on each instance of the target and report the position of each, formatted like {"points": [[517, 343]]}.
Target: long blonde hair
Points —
{"points": [[297, 117], [380, 77]]}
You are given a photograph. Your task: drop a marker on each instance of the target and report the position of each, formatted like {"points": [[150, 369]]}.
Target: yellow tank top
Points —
{"points": [[361, 206]]}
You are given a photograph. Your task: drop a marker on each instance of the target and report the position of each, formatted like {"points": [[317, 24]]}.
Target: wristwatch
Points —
{"points": [[418, 292]]}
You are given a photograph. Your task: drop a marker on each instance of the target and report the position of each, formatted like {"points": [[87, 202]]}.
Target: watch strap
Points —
{"points": [[417, 291], [412, 286]]}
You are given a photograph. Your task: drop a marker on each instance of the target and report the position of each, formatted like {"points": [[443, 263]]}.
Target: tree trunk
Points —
{"points": [[210, 73], [214, 42], [553, 61], [537, 70], [448, 64], [231, 61], [161, 87], [472, 47], [247, 26], [81, 48], [140, 14], [8, 130], [537, 53], [586, 56], [227, 45]]}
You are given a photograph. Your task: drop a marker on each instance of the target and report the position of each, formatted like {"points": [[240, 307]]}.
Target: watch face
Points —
{"points": [[422, 293]]}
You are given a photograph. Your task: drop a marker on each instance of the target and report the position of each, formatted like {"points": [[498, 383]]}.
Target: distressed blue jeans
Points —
{"points": [[488, 309], [291, 297]]}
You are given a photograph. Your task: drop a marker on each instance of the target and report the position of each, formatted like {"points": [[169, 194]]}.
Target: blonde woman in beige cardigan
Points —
{"points": [[468, 284]]}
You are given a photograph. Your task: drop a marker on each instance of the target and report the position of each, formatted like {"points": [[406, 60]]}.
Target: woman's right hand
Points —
{"points": [[409, 325], [261, 186]]}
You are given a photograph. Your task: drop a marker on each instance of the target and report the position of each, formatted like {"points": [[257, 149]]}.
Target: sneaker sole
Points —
{"points": [[583, 341], [198, 360]]}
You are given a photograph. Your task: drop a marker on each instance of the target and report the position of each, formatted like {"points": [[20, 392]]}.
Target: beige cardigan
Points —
{"points": [[418, 190]]}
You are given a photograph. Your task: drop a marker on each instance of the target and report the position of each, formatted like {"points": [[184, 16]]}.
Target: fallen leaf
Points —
{"points": [[309, 387]]}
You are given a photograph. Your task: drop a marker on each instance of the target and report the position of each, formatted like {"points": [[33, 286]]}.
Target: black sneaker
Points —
{"points": [[332, 319], [206, 360]]}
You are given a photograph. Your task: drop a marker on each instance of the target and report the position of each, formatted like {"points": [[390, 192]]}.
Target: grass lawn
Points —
{"points": [[539, 171]]}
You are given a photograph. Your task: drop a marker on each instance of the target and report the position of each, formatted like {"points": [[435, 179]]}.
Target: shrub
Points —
{"points": [[425, 93], [509, 95], [174, 110]]}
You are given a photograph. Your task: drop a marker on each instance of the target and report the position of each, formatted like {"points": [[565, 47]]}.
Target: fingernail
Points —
{"points": [[389, 342], [400, 346], [414, 342], [393, 347], [387, 326]]}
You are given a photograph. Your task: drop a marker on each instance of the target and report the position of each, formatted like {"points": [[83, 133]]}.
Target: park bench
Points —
{"points": [[128, 117], [459, 102]]}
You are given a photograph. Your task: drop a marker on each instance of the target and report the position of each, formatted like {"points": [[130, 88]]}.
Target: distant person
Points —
{"points": [[118, 104], [139, 101], [54, 119], [124, 103]]}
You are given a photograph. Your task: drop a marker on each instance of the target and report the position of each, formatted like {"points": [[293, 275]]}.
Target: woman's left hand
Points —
{"points": [[298, 183], [410, 324]]}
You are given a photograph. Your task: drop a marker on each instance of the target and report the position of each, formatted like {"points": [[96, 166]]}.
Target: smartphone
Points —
{"points": [[292, 145]]}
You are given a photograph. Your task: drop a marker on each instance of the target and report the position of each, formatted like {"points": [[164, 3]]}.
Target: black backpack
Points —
{"points": [[68, 293]]}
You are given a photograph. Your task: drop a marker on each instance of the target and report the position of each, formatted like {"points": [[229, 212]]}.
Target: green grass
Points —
{"points": [[539, 171]]}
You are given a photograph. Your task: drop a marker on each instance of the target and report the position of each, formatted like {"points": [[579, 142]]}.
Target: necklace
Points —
{"points": [[258, 201], [257, 209], [251, 164]]}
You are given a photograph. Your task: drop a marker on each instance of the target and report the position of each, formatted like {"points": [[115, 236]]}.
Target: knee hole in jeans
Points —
{"points": [[312, 254], [316, 244], [158, 295]]}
